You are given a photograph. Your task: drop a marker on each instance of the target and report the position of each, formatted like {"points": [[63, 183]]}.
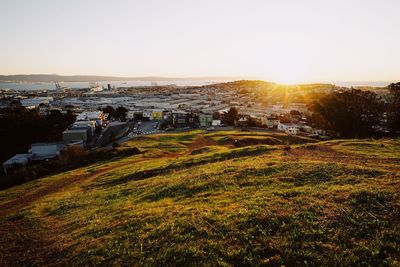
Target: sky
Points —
{"points": [[286, 41]]}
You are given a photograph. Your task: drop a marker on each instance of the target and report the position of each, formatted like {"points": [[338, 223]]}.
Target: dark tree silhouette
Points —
{"points": [[120, 113], [350, 113], [394, 108], [109, 110], [21, 127], [232, 116]]}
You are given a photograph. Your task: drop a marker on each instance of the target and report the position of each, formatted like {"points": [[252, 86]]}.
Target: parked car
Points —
{"points": [[138, 132], [210, 129]]}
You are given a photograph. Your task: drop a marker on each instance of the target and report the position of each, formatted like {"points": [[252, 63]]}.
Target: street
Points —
{"points": [[147, 127]]}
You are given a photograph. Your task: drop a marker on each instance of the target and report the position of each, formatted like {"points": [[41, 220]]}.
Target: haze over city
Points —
{"points": [[282, 41]]}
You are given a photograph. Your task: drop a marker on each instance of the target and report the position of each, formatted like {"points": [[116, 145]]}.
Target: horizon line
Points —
{"points": [[234, 77]]}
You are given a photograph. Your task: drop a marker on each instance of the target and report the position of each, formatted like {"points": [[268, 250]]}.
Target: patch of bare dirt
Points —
{"points": [[201, 141]]}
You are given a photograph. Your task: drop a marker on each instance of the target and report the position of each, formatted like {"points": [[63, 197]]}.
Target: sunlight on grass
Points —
{"points": [[218, 205]]}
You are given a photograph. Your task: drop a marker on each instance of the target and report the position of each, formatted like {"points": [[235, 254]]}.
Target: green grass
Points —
{"points": [[319, 204], [383, 149], [254, 138]]}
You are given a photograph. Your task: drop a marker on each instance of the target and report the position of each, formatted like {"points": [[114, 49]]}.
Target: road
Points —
{"points": [[147, 127]]}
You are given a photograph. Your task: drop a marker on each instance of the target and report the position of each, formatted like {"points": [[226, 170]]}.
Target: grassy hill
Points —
{"points": [[193, 199]]}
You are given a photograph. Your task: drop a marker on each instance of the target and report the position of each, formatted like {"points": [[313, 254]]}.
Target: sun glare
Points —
{"points": [[289, 72], [290, 77], [288, 80]]}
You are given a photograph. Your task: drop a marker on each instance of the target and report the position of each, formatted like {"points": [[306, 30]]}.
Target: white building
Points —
{"points": [[289, 128], [17, 160], [42, 151], [130, 115], [216, 123], [270, 121], [148, 114]]}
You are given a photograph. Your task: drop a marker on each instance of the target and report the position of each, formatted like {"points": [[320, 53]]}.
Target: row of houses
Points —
{"points": [[179, 118], [292, 123]]}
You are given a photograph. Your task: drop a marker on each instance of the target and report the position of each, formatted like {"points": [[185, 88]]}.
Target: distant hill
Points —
{"points": [[91, 78], [194, 199]]}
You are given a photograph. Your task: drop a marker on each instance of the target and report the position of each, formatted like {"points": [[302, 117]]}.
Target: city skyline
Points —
{"points": [[280, 41]]}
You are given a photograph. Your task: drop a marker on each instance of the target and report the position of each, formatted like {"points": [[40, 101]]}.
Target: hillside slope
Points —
{"points": [[194, 199]]}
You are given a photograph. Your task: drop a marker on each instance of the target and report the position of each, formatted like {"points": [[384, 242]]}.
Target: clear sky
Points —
{"points": [[275, 40]]}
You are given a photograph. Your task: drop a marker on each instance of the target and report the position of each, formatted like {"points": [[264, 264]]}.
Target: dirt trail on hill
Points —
{"points": [[53, 187], [201, 141], [26, 242], [61, 184]]}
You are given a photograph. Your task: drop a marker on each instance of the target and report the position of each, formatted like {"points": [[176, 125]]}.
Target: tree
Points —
{"points": [[120, 113], [21, 127], [295, 113], [109, 110], [350, 113], [252, 122], [393, 111], [232, 116], [138, 116], [55, 113], [285, 118]]}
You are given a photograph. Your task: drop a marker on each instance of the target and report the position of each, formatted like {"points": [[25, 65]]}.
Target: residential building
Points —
{"points": [[75, 135], [16, 161], [205, 119], [157, 114], [43, 151], [97, 116], [179, 119], [130, 115], [216, 123], [147, 114], [289, 128], [270, 121]]}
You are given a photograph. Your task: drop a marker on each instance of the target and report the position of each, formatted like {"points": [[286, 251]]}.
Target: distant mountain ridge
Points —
{"points": [[93, 78]]}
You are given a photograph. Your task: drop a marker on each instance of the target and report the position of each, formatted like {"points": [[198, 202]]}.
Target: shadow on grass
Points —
{"points": [[175, 166]]}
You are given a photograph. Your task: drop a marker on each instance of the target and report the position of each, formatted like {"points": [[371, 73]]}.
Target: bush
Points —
{"points": [[115, 144]]}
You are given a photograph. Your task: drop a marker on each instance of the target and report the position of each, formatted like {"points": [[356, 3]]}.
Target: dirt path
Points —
{"points": [[53, 187], [61, 184], [201, 141], [41, 241]]}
